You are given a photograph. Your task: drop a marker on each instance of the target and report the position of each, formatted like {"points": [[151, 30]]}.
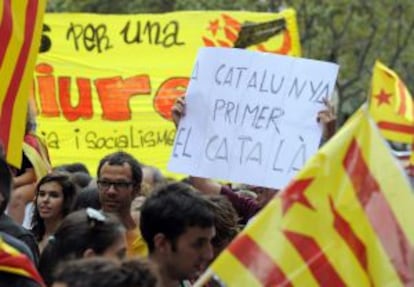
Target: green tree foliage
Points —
{"points": [[352, 33]]}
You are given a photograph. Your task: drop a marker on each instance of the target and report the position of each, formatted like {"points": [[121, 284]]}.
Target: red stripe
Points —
{"points": [[379, 213], [401, 94], [258, 262], [20, 262], [8, 104], [356, 245], [315, 259], [33, 142], [5, 29], [406, 129]]}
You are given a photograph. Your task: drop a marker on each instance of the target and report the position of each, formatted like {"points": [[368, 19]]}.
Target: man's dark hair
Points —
{"points": [[5, 184], [72, 168], [104, 272], [170, 210], [119, 158]]}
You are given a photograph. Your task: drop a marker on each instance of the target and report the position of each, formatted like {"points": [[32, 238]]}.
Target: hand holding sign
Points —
{"points": [[251, 116]]}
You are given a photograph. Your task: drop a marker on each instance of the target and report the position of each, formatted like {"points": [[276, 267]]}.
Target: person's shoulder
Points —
{"points": [[8, 226]]}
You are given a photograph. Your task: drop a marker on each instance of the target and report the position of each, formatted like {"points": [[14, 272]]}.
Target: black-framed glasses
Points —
{"points": [[118, 185]]}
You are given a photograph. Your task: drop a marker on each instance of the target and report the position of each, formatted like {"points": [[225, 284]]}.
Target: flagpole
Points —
{"points": [[204, 278]]}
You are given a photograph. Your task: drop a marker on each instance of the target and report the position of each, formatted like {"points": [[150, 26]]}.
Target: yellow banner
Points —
{"points": [[107, 82]]}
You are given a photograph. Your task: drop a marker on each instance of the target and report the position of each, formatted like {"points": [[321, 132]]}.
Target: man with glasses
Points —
{"points": [[119, 182]]}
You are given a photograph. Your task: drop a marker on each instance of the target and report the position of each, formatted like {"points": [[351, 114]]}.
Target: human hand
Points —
{"points": [[178, 110], [327, 118]]}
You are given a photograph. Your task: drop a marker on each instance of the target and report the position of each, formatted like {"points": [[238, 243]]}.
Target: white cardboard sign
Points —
{"points": [[250, 116]]}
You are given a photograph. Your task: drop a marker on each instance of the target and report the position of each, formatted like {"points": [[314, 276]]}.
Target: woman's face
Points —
{"points": [[49, 201]]}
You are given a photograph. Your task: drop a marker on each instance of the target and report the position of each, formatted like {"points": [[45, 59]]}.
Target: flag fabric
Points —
{"points": [[391, 105], [345, 220], [20, 31], [36, 151], [14, 262]]}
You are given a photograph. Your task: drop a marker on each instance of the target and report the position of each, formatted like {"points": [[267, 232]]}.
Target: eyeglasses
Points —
{"points": [[120, 185]]}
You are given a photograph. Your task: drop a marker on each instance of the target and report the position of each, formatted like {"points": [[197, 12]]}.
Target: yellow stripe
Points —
{"points": [[13, 49], [232, 272], [17, 271], [292, 25], [1, 12]]}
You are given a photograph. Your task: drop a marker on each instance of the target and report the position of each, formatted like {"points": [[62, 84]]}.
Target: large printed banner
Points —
{"points": [[107, 82]]}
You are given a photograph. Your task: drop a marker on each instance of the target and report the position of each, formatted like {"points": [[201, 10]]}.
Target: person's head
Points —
{"points": [[119, 182], [72, 168], [152, 176], [5, 184], [103, 272], [226, 222], [264, 194], [83, 233], [178, 226], [54, 199], [81, 179], [88, 197]]}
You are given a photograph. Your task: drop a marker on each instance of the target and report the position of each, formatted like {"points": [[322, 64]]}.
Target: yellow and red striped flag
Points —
{"points": [[16, 263], [20, 32], [345, 220], [391, 105]]}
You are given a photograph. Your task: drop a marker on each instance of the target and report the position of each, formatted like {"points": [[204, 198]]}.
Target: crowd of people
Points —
{"points": [[127, 226]]}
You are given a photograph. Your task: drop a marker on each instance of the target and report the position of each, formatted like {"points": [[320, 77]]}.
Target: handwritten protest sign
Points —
{"points": [[251, 117]]}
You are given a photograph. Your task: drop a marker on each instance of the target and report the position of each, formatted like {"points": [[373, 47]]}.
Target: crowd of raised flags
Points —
{"points": [[344, 220]]}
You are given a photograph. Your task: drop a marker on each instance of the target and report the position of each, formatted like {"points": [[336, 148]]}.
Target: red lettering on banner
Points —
{"points": [[166, 95], [379, 213], [283, 49], [84, 107], [258, 262], [115, 93], [315, 259], [47, 91]]}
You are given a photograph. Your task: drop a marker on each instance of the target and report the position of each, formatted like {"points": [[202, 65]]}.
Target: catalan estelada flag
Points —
{"points": [[16, 263], [391, 105], [20, 31], [345, 220]]}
